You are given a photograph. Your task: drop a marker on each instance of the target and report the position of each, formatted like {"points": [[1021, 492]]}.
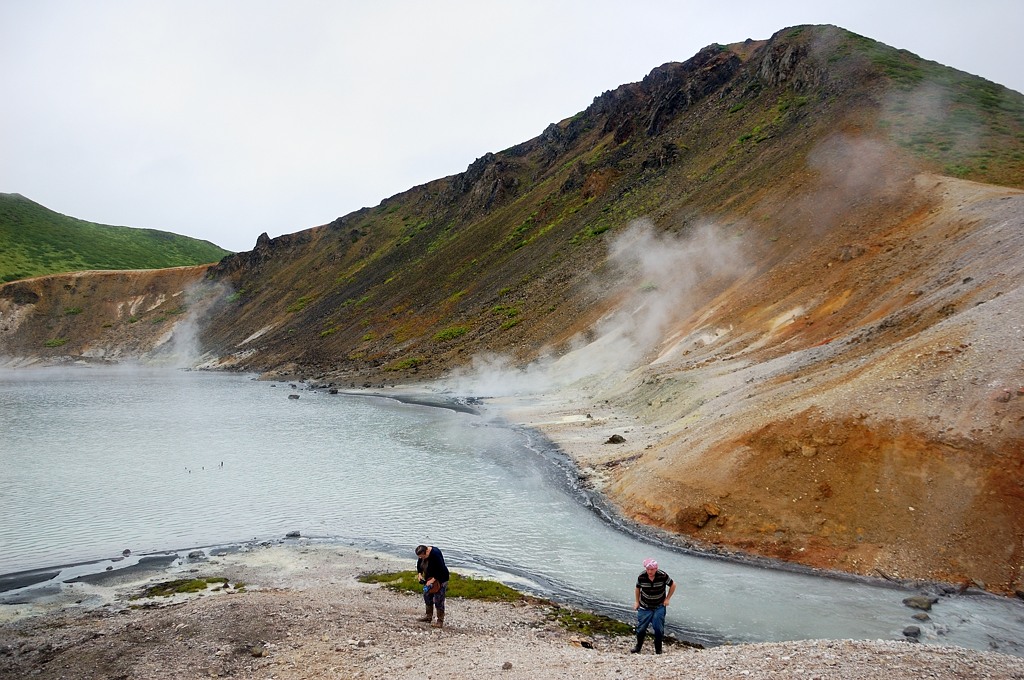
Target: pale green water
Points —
{"points": [[96, 461]]}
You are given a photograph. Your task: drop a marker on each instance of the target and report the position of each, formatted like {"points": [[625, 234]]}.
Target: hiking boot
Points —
{"points": [[657, 644], [639, 643], [429, 616], [440, 619]]}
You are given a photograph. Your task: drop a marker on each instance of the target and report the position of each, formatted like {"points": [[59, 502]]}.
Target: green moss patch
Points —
{"points": [[572, 620], [587, 623], [458, 586], [183, 585]]}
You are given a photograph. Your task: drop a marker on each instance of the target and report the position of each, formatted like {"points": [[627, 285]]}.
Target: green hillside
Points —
{"points": [[35, 240]]}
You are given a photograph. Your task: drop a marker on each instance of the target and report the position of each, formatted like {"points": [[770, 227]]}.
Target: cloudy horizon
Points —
{"points": [[223, 120]]}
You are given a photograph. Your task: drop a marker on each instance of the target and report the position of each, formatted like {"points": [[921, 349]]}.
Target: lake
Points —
{"points": [[99, 460]]}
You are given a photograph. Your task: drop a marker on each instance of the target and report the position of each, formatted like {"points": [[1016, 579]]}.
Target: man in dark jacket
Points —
{"points": [[654, 589], [434, 577]]}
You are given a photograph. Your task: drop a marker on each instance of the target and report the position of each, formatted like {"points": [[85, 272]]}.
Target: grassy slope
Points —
{"points": [[35, 241]]}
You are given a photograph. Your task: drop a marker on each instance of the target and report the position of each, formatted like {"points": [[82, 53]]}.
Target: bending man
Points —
{"points": [[434, 576]]}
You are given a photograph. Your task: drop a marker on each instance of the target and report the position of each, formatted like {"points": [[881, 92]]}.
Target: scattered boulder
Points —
{"points": [[507, 666], [924, 602], [921, 616], [616, 439], [293, 396], [912, 632], [293, 534]]}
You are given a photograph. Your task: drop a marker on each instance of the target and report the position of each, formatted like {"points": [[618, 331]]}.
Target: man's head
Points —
{"points": [[651, 565], [421, 551]]}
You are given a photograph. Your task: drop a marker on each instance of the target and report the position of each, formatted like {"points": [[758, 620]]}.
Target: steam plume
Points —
{"points": [[659, 277]]}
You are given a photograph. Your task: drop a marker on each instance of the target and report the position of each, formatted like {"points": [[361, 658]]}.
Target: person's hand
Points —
{"points": [[636, 606], [666, 602]]}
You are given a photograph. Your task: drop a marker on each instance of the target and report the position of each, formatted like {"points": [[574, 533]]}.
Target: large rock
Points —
{"points": [[924, 602]]}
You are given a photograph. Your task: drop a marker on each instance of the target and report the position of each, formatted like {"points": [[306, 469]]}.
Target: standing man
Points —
{"points": [[434, 577], [654, 589]]}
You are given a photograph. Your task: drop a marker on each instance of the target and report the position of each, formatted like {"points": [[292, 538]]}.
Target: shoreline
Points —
{"points": [[551, 449], [298, 611], [517, 417]]}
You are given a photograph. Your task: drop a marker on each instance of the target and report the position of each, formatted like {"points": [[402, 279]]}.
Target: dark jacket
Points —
{"points": [[433, 566]]}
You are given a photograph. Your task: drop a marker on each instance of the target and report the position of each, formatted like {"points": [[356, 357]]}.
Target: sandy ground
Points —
{"points": [[298, 611]]}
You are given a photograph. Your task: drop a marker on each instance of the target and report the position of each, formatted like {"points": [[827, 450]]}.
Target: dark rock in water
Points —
{"points": [[921, 616], [615, 439], [293, 534], [126, 552], [1019, 593], [912, 632], [293, 396], [333, 390], [924, 602], [197, 555]]}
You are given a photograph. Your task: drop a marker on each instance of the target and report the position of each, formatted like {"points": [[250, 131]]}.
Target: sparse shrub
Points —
{"points": [[56, 342], [71, 311], [509, 311], [450, 333], [301, 303], [404, 364], [353, 302]]}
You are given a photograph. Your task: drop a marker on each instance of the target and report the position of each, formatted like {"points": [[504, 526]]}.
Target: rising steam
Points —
{"points": [[183, 348], [660, 279]]}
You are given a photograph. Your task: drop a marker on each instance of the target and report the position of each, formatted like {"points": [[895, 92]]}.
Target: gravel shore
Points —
{"points": [[298, 611]]}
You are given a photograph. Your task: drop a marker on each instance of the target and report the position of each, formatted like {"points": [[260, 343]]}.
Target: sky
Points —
{"points": [[224, 119]]}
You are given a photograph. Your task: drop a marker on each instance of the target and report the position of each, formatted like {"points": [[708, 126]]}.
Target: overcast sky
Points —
{"points": [[222, 119]]}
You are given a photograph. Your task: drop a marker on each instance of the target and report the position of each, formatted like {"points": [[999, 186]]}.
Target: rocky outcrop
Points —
{"points": [[104, 316]]}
